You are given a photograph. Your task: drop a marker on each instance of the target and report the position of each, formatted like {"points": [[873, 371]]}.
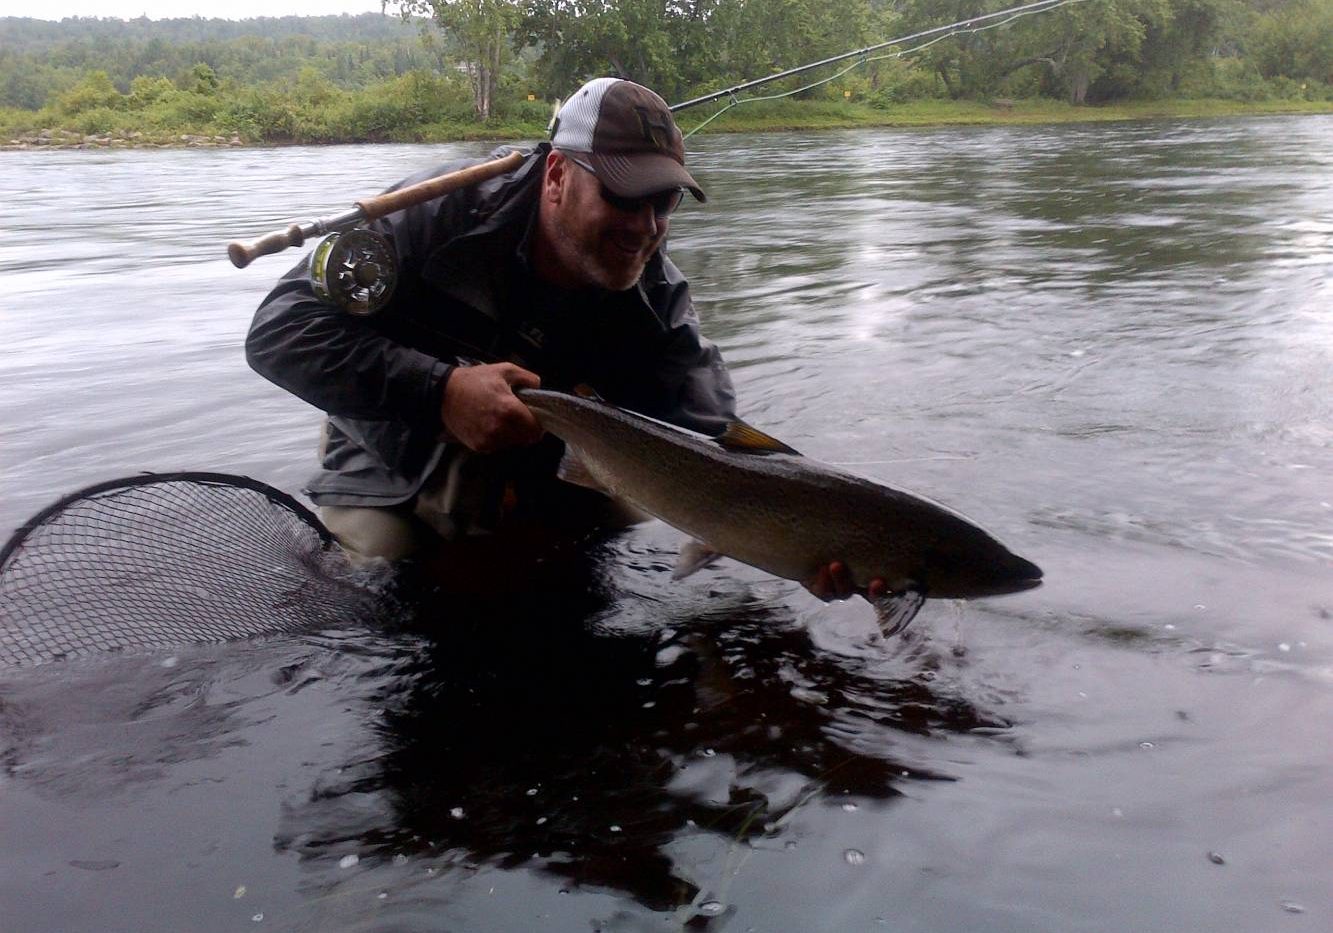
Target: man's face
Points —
{"points": [[595, 242]]}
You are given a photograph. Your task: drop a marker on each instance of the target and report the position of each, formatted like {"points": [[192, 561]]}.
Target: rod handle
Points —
{"points": [[382, 204], [242, 254]]}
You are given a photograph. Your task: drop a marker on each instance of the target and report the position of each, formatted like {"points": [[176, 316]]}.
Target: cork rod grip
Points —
{"points": [[242, 254], [383, 204]]}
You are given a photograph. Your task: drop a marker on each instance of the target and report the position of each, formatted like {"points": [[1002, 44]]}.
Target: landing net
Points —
{"points": [[159, 560]]}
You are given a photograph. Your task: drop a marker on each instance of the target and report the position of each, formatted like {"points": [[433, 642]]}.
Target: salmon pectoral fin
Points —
{"points": [[695, 555], [746, 439], [895, 611], [572, 469]]}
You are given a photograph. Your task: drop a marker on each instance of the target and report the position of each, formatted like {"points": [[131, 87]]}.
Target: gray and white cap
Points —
{"points": [[628, 135]]}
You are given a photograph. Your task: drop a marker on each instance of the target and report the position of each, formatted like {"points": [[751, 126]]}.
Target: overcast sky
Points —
{"points": [[167, 9]]}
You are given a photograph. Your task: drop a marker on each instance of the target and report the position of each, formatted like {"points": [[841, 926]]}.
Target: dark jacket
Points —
{"points": [[464, 294]]}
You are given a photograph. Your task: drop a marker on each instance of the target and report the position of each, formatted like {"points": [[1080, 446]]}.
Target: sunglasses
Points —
{"points": [[663, 203]]}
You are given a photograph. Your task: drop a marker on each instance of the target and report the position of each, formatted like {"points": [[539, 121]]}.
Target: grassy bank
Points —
{"points": [[239, 123]]}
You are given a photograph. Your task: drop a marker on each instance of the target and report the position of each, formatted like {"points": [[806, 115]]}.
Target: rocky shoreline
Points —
{"points": [[66, 139]]}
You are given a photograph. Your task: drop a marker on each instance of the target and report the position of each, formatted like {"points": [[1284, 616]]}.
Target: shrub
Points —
{"points": [[93, 92]]}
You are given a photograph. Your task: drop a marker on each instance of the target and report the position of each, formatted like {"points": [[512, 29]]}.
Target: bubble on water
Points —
{"points": [[712, 908], [1200, 607], [430, 871], [807, 695], [1216, 858], [649, 705], [1147, 746], [669, 655], [382, 895], [541, 820], [531, 792], [1082, 695], [457, 813], [1169, 627], [400, 859], [258, 918], [615, 828], [1283, 646], [1292, 907], [854, 857], [708, 752], [770, 827], [790, 846], [1116, 811], [347, 861], [849, 808], [644, 681], [240, 893]]}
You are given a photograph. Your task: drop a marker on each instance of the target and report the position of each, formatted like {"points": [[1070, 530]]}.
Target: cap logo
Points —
{"points": [[655, 130]]}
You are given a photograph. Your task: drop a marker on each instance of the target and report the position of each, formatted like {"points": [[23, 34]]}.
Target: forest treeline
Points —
{"points": [[437, 67]]}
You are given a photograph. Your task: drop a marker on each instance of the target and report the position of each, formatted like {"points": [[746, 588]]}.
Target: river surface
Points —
{"points": [[1111, 345]]}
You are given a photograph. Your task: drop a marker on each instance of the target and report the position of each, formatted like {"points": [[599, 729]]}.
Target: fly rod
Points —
{"points": [[355, 268], [367, 209]]}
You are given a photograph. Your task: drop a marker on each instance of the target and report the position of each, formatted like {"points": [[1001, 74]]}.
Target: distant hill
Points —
{"points": [[40, 59], [25, 34]]}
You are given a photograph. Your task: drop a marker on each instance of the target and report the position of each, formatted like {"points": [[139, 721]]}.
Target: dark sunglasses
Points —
{"points": [[663, 203]]}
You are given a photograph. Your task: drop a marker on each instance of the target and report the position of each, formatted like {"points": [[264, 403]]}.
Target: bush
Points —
{"points": [[93, 92], [899, 81], [145, 90], [259, 114]]}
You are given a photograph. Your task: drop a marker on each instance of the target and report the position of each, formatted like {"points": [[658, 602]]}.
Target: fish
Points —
{"points": [[748, 496]]}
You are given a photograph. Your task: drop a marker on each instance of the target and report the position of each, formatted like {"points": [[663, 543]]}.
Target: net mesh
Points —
{"points": [[159, 560]]}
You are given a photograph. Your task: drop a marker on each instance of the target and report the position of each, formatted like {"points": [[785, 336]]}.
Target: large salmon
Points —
{"points": [[747, 496]]}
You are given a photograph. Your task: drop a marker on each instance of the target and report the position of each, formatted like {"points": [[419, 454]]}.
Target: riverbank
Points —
{"points": [[769, 116]]}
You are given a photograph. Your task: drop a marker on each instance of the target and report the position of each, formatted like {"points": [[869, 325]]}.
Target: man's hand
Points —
{"points": [[834, 581], [481, 411]]}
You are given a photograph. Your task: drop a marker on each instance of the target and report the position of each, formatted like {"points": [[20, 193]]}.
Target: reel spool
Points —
{"points": [[356, 270]]}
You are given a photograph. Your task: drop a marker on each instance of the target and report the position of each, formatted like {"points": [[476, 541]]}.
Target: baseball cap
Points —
{"points": [[628, 135]]}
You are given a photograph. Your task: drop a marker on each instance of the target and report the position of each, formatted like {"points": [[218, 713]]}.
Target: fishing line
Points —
{"points": [[939, 33]]}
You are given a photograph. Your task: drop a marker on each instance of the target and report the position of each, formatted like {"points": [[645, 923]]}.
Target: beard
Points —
{"points": [[603, 255]]}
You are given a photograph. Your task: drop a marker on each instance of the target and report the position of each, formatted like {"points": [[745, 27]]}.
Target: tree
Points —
{"points": [[484, 31]]}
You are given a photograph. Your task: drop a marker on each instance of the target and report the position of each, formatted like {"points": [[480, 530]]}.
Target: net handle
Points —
{"points": [[146, 479]]}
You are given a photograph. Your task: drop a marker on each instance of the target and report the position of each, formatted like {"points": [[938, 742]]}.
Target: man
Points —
{"points": [[553, 274]]}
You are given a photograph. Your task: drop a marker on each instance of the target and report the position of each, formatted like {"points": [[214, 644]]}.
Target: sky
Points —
{"points": [[167, 9]]}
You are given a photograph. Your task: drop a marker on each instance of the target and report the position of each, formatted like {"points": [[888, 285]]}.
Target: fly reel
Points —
{"points": [[355, 270]]}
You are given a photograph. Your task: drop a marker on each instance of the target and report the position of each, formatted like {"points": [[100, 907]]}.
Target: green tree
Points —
{"points": [[484, 32]]}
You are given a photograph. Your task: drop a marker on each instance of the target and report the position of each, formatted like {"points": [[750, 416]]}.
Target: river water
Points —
{"points": [[1109, 344]]}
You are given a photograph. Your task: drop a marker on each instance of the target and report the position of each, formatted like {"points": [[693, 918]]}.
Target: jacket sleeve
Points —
{"points": [[351, 366], [338, 362]]}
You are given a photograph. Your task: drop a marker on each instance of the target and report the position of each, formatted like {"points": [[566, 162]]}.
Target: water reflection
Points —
{"points": [[523, 731]]}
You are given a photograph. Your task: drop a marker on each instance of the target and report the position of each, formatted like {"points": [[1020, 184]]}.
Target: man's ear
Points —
{"points": [[556, 178]]}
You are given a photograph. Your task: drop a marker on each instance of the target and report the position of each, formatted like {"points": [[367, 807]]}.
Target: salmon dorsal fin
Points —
{"points": [[744, 438], [585, 391]]}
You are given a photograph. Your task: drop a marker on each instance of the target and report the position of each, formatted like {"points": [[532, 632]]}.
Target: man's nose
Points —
{"points": [[646, 220]]}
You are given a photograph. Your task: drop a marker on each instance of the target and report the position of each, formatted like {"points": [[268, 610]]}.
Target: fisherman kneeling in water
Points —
{"points": [[553, 274]]}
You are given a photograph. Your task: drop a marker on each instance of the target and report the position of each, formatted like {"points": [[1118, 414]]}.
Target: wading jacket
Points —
{"points": [[465, 295]]}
